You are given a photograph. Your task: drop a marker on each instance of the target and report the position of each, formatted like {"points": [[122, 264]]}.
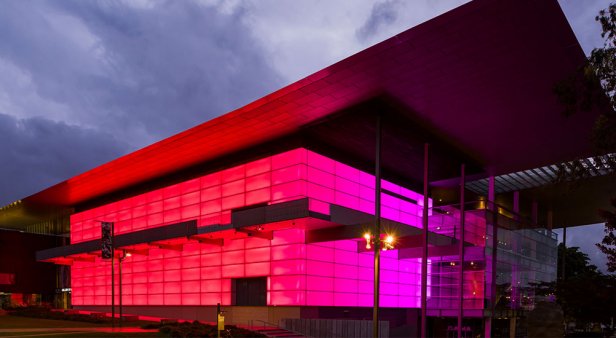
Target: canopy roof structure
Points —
{"points": [[476, 82]]}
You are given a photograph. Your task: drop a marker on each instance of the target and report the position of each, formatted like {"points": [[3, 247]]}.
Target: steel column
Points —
{"points": [[424, 251], [377, 229], [494, 213], [564, 258], [461, 252]]}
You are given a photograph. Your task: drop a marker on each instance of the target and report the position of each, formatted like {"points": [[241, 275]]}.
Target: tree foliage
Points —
{"points": [[602, 64], [577, 263], [585, 294], [608, 244]]}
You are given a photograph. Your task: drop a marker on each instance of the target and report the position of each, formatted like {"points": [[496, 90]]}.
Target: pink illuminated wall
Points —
{"points": [[332, 273]]}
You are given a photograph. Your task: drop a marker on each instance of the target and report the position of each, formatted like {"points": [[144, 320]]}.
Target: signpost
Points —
{"points": [[220, 320]]}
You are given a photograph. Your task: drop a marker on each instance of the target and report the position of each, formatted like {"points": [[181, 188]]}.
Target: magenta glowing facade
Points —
{"points": [[327, 273]]}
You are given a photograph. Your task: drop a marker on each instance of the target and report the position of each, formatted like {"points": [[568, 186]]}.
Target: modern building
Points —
{"points": [[269, 210]]}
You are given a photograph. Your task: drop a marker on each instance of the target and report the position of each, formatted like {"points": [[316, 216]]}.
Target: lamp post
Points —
{"points": [[379, 245], [120, 259], [377, 226]]}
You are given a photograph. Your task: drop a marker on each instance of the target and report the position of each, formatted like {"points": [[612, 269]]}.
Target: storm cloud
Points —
{"points": [[382, 14], [140, 73], [37, 152], [84, 82]]}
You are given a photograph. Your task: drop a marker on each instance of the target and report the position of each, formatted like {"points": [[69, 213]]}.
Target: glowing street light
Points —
{"points": [[388, 243], [379, 244], [384, 244], [368, 238]]}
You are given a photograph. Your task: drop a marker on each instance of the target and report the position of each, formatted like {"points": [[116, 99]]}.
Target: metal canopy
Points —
{"points": [[548, 175]]}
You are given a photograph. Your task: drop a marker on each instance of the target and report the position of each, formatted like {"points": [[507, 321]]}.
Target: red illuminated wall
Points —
{"points": [[328, 273]]}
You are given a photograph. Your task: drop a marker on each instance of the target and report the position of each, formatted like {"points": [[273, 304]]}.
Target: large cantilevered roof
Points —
{"points": [[481, 77]]}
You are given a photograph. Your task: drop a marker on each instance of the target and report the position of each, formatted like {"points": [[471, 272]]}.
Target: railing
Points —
{"points": [[268, 324], [517, 221], [335, 328]]}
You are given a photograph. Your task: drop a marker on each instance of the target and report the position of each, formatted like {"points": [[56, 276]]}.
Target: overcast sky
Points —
{"points": [[83, 82]]}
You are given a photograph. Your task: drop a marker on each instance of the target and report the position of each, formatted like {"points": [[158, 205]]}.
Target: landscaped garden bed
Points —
{"points": [[197, 329]]}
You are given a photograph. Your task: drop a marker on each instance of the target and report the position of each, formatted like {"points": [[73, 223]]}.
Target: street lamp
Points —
{"points": [[386, 243], [120, 259], [379, 244]]}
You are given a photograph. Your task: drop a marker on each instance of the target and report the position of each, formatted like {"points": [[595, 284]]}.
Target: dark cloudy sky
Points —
{"points": [[83, 82]]}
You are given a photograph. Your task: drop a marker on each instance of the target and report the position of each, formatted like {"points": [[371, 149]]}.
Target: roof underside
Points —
{"points": [[476, 81]]}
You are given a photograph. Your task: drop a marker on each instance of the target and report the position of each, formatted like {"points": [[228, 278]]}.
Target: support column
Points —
{"points": [[515, 273], [461, 252], [563, 275], [535, 213], [424, 251], [516, 205], [377, 229], [494, 243]]}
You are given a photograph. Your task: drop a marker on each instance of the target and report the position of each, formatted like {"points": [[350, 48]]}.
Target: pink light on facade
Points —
{"points": [[331, 273]]}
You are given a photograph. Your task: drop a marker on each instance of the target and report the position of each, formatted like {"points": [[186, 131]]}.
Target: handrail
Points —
{"points": [[507, 213], [321, 333]]}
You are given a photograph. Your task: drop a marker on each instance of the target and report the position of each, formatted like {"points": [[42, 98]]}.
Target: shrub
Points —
{"points": [[197, 329]]}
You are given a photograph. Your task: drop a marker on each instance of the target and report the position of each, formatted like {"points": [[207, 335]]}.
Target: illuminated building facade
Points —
{"points": [[264, 209], [287, 231]]}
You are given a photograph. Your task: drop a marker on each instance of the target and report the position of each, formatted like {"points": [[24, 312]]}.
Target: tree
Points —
{"points": [[585, 294], [608, 244], [603, 63], [577, 263]]}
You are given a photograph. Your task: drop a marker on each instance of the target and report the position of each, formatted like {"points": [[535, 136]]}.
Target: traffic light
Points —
{"points": [[107, 239]]}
